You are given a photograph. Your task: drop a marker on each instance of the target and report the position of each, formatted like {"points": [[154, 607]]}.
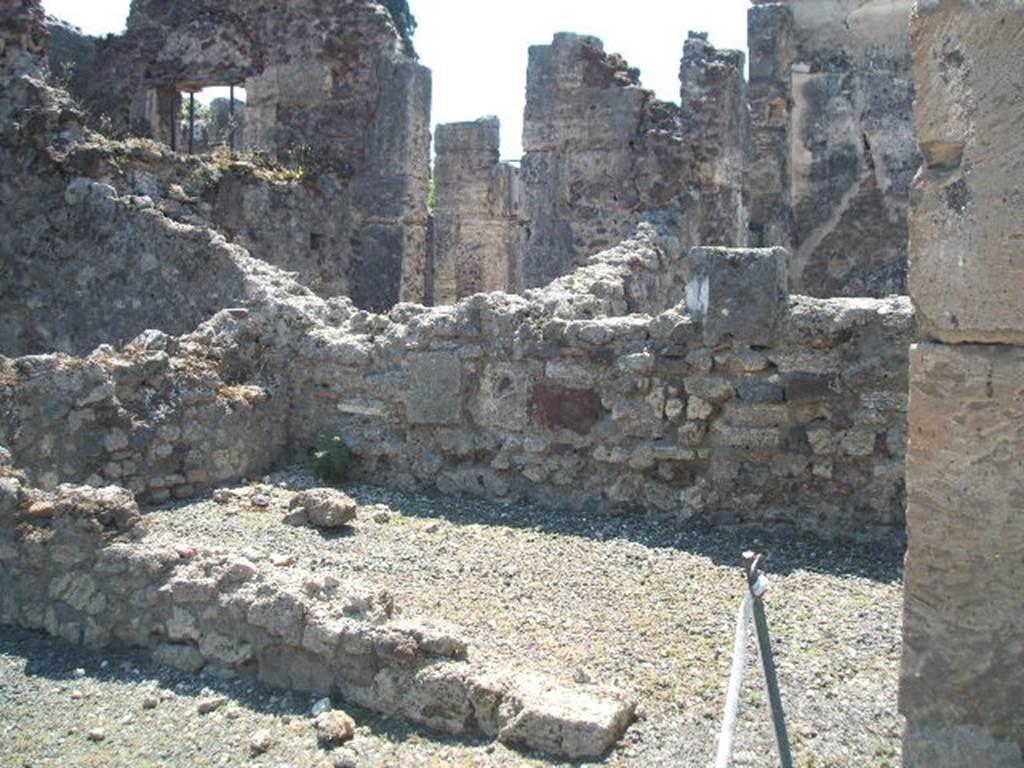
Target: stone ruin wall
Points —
{"points": [[819, 156], [963, 662], [624, 376], [787, 409], [816, 155], [834, 153], [344, 103], [106, 240], [792, 411], [659, 414], [601, 156]]}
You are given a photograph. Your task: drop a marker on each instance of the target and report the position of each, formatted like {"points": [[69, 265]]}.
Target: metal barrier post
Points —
{"points": [[758, 584]]}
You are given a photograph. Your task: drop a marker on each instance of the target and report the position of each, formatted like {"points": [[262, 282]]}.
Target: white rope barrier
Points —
{"points": [[732, 698]]}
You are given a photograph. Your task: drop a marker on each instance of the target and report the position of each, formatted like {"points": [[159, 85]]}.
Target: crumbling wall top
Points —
{"points": [[832, 35]]}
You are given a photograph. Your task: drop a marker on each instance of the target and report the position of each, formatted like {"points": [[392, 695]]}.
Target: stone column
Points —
{"points": [[476, 229], [962, 680], [769, 39], [716, 124], [580, 133]]}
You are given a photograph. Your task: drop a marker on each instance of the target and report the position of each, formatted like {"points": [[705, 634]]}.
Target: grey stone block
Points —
{"points": [[738, 293], [433, 387]]}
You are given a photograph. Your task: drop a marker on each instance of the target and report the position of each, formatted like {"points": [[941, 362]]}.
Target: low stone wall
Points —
{"points": [[742, 404], [79, 564], [735, 402]]}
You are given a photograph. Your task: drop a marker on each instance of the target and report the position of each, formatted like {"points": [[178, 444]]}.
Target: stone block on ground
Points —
{"points": [[572, 720], [323, 507], [334, 728]]}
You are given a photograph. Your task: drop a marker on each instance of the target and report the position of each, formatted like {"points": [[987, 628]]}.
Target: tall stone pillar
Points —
{"points": [[769, 39], [962, 681], [476, 227], [716, 124]]}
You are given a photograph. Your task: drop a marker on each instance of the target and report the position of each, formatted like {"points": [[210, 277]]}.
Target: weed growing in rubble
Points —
{"points": [[333, 463]]}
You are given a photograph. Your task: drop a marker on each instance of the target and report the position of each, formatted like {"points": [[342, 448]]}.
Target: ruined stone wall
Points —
{"points": [[716, 125], [831, 95], [79, 264], [477, 232], [602, 153], [165, 417], [785, 409], [83, 565], [328, 90], [963, 663], [743, 403], [22, 37]]}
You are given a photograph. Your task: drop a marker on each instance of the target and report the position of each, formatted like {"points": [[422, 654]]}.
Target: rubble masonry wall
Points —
{"points": [[341, 100]]}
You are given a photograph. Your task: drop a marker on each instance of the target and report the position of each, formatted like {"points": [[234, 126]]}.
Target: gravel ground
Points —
{"points": [[623, 600]]}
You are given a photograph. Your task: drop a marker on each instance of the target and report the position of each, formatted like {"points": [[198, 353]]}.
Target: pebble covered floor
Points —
{"points": [[624, 600]]}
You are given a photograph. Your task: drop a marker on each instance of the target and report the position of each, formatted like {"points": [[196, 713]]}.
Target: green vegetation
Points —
{"points": [[333, 463], [404, 21]]}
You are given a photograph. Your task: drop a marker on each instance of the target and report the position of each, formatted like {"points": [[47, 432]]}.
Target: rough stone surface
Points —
{"points": [[325, 507], [89, 574], [834, 154], [557, 397], [602, 153], [334, 728], [477, 232], [967, 234], [964, 471], [740, 296], [347, 105], [962, 657]]}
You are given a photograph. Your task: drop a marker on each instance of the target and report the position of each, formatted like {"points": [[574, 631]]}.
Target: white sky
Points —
{"points": [[477, 49]]}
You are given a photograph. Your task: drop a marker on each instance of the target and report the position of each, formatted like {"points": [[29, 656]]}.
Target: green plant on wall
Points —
{"points": [[333, 463], [431, 194], [404, 21]]}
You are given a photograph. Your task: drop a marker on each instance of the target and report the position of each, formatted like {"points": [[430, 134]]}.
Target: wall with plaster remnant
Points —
{"points": [[834, 156]]}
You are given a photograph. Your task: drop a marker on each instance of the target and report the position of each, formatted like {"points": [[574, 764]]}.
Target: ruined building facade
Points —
{"points": [[331, 90], [171, 323], [816, 154]]}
